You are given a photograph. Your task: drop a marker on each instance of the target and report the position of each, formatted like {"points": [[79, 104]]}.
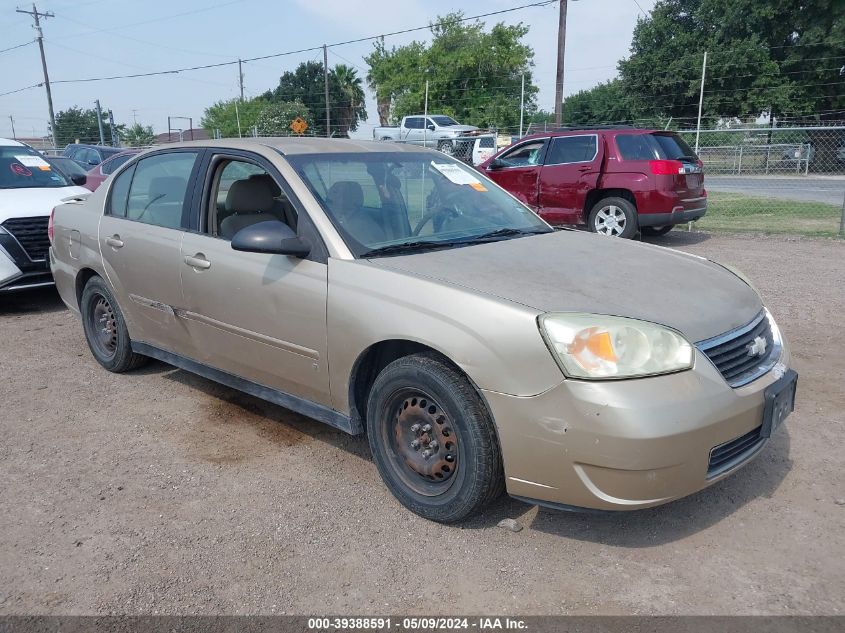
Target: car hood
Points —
{"points": [[35, 201], [573, 271]]}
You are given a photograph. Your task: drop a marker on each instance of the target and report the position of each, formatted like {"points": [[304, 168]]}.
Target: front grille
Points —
{"points": [[737, 354], [730, 454], [31, 234]]}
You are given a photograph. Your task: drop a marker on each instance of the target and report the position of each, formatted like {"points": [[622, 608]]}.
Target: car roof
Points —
{"points": [[11, 143], [291, 145], [577, 131]]}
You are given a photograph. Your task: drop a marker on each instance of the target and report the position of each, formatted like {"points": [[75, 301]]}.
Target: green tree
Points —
{"points": [[137, 135], [606, 103], [232, 117], [473, 75], [275, 118], [307, 84], [78, 125], [780, 54]]}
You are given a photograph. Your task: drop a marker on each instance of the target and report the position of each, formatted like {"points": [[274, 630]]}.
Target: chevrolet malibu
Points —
{"points": [[390, 290]]}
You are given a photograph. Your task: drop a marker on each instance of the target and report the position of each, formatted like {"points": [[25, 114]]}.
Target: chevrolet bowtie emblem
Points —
{"points": [[757, 347]]}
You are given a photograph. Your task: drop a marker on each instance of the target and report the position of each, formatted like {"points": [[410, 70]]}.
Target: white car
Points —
{"points": [[29, 189]]}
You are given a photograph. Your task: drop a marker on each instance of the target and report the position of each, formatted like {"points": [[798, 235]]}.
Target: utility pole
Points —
{"points": [[115, 141], [326, 82], [100, 121], [12, 119], [40, 37], [521, 105], [241, 77], [561, 49]]}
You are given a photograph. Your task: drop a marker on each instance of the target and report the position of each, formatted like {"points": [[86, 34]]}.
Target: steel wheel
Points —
{"points": [[610, 220], [103, 324], [422, 442]]}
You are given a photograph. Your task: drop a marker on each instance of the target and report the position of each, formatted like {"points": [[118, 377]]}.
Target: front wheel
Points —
{"points": [[433, 440], [656, 231], [105, 328], [616, 217]]}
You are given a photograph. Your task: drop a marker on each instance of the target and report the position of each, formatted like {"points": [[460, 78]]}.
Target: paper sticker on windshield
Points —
{"points": [[455, 174], [33, 161]]}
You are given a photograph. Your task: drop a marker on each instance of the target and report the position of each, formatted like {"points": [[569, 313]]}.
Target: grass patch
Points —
{"points": [[741, 212]]}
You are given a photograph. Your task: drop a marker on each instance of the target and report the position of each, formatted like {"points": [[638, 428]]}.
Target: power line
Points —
{"points": [[11, 48], [303, 50]]}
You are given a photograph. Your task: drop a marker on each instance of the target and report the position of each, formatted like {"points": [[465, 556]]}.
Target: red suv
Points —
{"points": [[615, 180]]}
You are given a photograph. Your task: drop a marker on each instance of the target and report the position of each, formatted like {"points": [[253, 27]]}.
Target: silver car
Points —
{"points": [[393, 291]]}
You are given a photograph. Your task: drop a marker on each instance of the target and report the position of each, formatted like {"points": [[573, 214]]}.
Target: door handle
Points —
{"points": [[114, 241], [198, 261], [585, 168]]}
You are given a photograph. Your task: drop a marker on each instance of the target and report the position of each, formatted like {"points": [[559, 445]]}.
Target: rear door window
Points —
{"points": [[158, 194], [572, 149]]}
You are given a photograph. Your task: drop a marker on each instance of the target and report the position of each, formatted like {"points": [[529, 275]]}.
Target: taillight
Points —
{"points": [[50, 229], [666, 167]]}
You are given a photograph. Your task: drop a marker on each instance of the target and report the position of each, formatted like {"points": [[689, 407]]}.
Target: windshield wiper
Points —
{"points": [[493, 236], [405, 247]]}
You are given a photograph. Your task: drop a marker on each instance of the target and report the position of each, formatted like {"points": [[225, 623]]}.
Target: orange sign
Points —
{"points": [[298, 125]]}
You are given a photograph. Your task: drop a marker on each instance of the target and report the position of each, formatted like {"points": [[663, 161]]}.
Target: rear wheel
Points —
{"points": [[105, 329], [613, 216], [433, 440], [446, 147], [654, 231]]}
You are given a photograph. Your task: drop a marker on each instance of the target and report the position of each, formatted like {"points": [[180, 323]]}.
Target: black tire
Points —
{"points": [[613, 209], [447, 147], [105, 329], [465, 471], [656, 231]]}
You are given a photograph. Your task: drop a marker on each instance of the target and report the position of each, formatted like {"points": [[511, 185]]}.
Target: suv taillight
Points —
{"points": [[50, 228], [666, 167]]}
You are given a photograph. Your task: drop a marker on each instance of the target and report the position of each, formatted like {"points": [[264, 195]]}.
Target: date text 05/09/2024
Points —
{"points": [[415, 624]]}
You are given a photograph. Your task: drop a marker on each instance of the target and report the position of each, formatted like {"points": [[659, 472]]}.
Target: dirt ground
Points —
{"points": [[161, 492]]}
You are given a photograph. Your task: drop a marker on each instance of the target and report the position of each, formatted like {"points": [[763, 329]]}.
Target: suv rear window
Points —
{"points": [[665, 146]]}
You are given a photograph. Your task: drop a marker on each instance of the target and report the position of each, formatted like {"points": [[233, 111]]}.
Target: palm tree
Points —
{"points": [[349, 107]]}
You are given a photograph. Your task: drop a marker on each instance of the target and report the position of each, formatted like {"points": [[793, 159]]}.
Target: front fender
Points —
{"points": [[494, 341]]}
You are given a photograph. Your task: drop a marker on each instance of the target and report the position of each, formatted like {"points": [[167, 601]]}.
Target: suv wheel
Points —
{"points": [[654, 231], [613, 216], [446, 147], [105, 329], [433, 440]]}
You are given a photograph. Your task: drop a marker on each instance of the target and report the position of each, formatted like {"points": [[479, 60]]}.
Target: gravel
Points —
{"points": [[158, 492]]}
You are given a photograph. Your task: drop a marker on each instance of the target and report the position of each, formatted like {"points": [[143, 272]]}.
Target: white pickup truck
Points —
{"points": [[434, 130]]}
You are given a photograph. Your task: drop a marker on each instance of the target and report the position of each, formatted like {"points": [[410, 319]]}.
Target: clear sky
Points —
{"points": [[96, 38]]}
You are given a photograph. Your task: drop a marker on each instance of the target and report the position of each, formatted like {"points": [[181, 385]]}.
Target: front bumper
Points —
{"points": [[17, 270], [629, 444]]}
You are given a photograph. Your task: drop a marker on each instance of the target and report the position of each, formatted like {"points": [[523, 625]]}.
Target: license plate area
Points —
{"points": [[779, 400]]}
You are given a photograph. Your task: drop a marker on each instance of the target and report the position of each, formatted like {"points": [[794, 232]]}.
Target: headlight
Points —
{"points": [[595, 346]]}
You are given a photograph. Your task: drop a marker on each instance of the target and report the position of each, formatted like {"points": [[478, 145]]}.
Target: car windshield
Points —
{"points": [[24, 168], [67, 166], [443, 120], [385, 203]]}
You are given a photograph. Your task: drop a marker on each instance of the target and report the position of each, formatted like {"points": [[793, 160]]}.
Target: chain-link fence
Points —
{"points": [[758, 178], [769, 179]]}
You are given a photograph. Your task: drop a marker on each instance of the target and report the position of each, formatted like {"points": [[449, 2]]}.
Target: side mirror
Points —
{"points": [[79, 179], [271, 237], [430, 127], [496, 163]]}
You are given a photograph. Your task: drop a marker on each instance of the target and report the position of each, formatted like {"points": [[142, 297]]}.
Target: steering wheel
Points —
{"points": [[444, 208]]}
